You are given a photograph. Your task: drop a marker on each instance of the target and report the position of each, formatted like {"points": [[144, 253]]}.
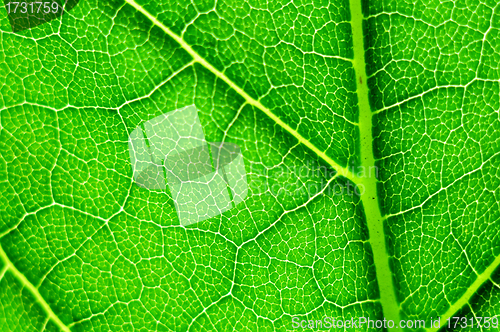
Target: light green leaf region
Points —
{"points": [[315, 94]]}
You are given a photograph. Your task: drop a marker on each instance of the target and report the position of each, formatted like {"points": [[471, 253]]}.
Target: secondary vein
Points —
{"points": [[344, 171], [33, 290], [370, 198], [465, 298]]}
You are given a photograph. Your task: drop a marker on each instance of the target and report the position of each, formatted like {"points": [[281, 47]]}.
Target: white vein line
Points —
{"points": [[33, 290], [256, 103], [442, 188], [171, 76], [289, 211], [421, 95]]}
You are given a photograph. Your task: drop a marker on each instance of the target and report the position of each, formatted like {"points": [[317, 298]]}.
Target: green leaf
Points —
{"points": [[370, 134]]}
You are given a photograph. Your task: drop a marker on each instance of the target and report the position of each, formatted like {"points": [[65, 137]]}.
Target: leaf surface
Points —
{"points": [[370, 134]]}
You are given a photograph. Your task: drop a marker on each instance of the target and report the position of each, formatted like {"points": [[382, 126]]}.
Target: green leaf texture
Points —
{"points": [[317, 94]]}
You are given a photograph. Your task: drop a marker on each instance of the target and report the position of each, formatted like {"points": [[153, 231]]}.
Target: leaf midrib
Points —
{"points": [[370, 198]]}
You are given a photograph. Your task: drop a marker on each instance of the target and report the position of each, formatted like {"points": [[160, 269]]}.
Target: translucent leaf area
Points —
{"points": [[333, 159]]}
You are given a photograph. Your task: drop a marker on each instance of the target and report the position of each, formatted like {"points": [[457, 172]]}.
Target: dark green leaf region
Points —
{"points": [[250, 165]]}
